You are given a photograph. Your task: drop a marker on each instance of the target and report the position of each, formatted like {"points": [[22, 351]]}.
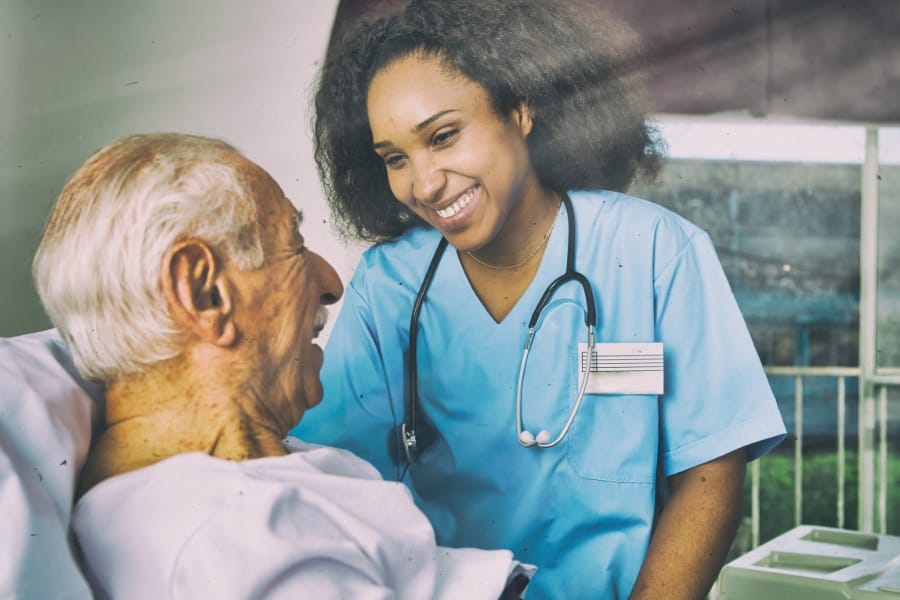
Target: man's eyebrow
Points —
{"points": [[418, 128]]}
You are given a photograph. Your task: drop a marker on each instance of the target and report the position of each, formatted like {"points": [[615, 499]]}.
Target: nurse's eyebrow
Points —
{"points": [[418, 128]]}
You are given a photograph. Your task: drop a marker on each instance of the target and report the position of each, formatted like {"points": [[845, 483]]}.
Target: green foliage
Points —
{"points": [[820, 477]]}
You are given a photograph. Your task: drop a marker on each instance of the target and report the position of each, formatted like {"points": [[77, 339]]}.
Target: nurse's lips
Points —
{"points": [[456, 214]]}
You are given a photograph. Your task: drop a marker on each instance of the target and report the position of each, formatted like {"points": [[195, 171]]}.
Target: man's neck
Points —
{"points": [[154, 416]]}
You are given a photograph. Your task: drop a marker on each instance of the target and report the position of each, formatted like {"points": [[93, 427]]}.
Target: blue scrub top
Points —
{"points": [[583, 510]]}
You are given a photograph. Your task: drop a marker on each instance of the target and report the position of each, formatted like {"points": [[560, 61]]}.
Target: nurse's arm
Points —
{"points": [[695, 530]]}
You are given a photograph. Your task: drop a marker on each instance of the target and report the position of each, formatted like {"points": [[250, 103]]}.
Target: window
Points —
{"points": [[782, 205], [887, 336]]}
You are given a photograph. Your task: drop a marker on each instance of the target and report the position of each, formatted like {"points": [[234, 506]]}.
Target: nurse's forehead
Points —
{"points": [[420, 72], [416, 89]]}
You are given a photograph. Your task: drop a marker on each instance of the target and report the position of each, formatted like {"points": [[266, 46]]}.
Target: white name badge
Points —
{"points": [[623, 368]]}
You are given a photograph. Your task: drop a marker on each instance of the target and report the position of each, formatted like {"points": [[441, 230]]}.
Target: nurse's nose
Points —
{"points": [[428, 180], [331, 288]]}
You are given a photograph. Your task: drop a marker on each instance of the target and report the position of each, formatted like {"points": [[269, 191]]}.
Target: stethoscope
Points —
{"points": [[525, 437]]}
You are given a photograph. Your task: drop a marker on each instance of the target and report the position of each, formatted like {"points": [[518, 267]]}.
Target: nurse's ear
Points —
{"points": [[199, 292], [521, 115]]}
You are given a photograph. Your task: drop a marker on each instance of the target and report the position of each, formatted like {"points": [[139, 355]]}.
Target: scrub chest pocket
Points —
{"points": [[615, 438]]}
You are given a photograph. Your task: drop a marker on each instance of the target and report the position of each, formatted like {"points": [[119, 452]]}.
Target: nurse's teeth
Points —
{"points": [[461, 203]]}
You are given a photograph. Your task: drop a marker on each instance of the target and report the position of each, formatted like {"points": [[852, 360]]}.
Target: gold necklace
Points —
{"points": [[531, 255]]}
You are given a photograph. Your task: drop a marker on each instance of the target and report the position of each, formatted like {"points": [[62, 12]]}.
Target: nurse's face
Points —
{"points": [[449, 156]]}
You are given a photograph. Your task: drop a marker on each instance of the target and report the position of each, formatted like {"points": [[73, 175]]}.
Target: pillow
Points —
{"points": [[47, 413]]}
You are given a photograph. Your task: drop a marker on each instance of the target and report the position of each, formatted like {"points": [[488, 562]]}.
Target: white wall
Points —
{"points": [[76, 75]]}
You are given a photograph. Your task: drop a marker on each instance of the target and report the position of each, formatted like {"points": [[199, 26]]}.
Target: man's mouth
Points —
{"points": [[321, 319]]}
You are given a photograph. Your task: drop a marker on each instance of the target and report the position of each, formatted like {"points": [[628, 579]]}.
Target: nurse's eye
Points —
{"points": [[444, 137], [393, 161]]}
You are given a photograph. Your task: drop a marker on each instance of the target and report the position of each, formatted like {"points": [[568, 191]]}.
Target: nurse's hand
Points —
{"points": [[694, 532]]}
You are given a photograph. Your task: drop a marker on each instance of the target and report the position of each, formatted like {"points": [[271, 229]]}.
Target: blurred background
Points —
{"points": [[76, 75], [781, 119]]}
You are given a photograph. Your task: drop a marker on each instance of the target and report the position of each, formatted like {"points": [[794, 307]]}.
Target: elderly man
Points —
{"points": [[175, 270]]}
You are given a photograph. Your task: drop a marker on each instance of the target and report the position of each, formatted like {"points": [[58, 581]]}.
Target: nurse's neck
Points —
{"points": [[501, 271]]}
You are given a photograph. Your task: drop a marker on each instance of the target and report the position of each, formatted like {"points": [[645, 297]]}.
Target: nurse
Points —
{"points": [[510, 130]]}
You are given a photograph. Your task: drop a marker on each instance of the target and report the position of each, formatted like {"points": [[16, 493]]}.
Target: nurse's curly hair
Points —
{"points": [[589, 129]]}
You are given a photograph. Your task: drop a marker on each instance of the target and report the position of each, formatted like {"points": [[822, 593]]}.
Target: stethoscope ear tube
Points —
{"points": [[408, 427], [590, 315]]}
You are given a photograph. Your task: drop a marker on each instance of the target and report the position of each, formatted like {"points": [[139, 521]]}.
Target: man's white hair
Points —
{"points": [[97, 269]]}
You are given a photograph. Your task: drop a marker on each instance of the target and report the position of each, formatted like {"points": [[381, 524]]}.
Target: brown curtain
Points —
{"points": [[821, 59]]}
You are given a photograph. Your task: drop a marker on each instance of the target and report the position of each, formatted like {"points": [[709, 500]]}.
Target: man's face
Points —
{"points": [[283, 311]]}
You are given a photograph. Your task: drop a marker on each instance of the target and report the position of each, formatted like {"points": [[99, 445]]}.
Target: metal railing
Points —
{"points": [[872, 446]]}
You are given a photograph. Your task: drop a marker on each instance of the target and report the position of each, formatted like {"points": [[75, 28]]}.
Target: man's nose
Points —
{"points": [[331, 287]]}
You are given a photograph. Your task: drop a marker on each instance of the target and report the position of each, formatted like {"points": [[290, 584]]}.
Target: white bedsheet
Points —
{"points": [[317, 523], [46, 415]]}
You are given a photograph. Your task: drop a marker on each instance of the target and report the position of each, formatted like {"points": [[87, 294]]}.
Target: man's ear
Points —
{"points": [[522, 116], [198, 292]]}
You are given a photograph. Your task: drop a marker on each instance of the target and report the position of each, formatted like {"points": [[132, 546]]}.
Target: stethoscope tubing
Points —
{"points": [[408, 427], [590, 317], [532, 441]]}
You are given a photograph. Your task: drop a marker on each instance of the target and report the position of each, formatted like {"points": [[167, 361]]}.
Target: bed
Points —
{"points": [[47, 414]]}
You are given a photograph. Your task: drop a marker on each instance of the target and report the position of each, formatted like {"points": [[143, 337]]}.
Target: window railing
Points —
{"points": [[872, 435]]}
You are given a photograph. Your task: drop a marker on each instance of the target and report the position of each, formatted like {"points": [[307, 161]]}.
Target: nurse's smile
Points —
{"points": [[459, 212]]}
